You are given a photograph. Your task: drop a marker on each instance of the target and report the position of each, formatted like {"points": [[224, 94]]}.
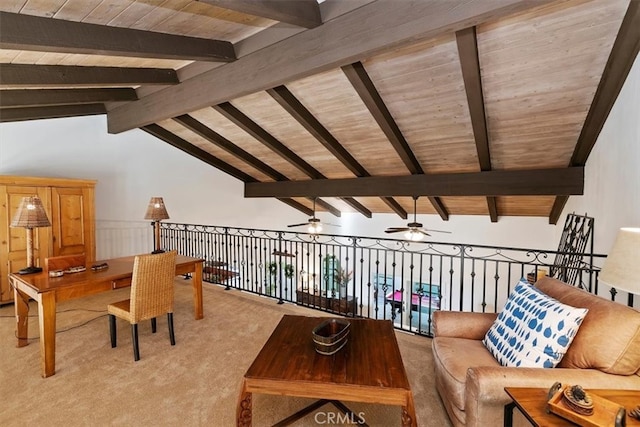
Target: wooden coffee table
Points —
{"points": [[368, 369]]}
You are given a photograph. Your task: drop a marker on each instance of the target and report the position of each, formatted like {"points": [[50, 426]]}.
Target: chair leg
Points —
{"points": [[112, 329], [153, 325], [172, 337], [134, 339]]}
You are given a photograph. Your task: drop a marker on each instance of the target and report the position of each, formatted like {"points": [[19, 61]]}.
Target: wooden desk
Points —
{"points": [[47, 292], [368, 369], [532, 402]]}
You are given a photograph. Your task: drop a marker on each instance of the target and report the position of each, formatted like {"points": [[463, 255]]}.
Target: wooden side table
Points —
{"points": [[532, 402]]}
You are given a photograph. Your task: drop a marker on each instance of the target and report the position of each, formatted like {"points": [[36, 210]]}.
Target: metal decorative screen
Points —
{"points": [[576, 240]]}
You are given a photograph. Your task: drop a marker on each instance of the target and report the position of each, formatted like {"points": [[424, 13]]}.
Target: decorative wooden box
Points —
{"points": [[345, 306]]}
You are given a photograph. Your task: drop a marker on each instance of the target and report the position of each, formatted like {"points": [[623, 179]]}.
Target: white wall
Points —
{"points": [[130, 168], [133, 166], [612, 175]]}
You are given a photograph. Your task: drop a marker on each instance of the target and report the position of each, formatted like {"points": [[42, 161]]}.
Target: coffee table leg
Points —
{"points": [[409, 413], [243, 411]]}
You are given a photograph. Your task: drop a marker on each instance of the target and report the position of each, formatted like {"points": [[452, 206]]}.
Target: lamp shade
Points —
{"points": [[156, 209], [30, 214], [621, 269]]}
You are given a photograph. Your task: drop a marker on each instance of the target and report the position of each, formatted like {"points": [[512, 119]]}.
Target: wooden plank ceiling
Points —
{"points": [[479, 107]]}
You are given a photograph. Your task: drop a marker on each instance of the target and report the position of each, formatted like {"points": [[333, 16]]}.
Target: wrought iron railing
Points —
{"points": [[366, 277]]}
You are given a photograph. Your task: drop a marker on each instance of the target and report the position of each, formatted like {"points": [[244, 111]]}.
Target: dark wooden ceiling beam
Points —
{"points": [[557, 208], [355, 35], [467, 42], [299, 112], [294, 107], [252, 128], [245, 123], [623, 54], [51, 112], [302, 13], [362, 83], [470, 63], [395, 206], [35, 33], [17, 75], [297, 205], [439, 207], [186, 147], [197, 152], [330, 208], [367, 91], [538, 182], [220, 141], [329, 9], [359, 207], [48, 97]]}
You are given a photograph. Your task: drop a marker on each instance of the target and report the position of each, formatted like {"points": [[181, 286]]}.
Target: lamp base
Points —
{"points": [[158, 251], [30, 270]]}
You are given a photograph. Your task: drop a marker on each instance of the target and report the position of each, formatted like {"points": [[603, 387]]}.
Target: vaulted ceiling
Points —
{"points": [[480, 107]]}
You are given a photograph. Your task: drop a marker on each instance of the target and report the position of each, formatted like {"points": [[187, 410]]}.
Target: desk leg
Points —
{"points": [[47, 320], [21, 303], [409, 412], [243, 411], [197, 291]]}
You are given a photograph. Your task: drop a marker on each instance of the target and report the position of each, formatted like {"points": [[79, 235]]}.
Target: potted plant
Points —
{"points": [[342, 278]]}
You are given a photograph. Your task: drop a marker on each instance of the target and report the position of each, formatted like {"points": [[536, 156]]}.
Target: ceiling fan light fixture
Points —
{"points": [[314, 228], [413, 235]]}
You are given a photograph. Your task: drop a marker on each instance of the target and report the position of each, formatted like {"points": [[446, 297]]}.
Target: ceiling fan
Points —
{"points": [[413, 230], [314, 225]]}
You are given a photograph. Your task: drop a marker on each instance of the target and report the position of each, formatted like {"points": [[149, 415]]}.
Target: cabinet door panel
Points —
{"points": [[70, 221]]}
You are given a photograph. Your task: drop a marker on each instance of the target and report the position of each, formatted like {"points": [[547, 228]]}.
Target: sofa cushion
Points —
{"points": [[533, 330], [453, 357], [609, 337]]}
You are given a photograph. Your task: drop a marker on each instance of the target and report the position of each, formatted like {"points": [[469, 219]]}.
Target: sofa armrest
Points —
{"points": [[461, 324], [487, 383]]}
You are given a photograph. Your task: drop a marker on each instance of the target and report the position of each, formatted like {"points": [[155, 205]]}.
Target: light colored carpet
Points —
{"points": [[194, 383]]}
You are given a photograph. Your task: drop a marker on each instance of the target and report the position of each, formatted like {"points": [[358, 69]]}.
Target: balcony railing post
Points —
{"points": [[280, 281], [225, 262], [462, 256], [354, 247]]}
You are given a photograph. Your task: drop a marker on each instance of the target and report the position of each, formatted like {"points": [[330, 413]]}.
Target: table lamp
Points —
{"points": [[156, 212], [621, 269], [30, 214]]}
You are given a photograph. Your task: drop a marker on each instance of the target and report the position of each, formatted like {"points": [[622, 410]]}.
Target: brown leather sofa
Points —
{"points": [[605, 353]]}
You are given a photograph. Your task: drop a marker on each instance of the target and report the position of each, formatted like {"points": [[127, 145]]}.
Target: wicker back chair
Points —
{"points": [[151, 296]]}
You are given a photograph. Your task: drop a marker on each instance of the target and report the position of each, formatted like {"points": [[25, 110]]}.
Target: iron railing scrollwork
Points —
{"points": [[404, 282]]}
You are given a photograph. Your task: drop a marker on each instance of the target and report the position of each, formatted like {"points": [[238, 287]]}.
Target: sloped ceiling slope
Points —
{"points": [[477, 107]]}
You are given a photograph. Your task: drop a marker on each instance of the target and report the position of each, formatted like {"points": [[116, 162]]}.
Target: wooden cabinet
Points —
{"points": [[69, 204]]}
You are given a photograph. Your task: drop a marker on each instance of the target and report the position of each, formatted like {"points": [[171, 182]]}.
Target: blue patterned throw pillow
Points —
{"points": [[533, 330]]}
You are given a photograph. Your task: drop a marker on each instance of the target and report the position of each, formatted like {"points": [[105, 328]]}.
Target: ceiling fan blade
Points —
{"points": [[423, 231], [439, 231], [298, 225], [396, 229]]}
